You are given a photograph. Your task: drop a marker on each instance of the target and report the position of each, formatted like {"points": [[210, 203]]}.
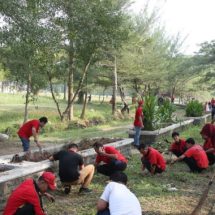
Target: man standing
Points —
{"points": [[195, 157], [31, 128], [178, 147], [26, 199], [138, 123], [113, 159], [117, 199], [72, 170], [152, 159]]}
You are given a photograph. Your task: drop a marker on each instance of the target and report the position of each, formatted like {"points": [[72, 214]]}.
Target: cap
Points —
{"points": [[141, 102], [49, 177]]}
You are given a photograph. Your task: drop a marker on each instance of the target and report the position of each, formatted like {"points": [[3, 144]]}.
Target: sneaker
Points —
{"points": [[67, 190], [84, 190]]}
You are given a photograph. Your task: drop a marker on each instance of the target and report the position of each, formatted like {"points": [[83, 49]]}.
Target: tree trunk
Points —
{"points": [[74, 95], [114, 87], [64, 90], [27, 98], [84, 107], [81, 97], [103, 95], [53, 96]]}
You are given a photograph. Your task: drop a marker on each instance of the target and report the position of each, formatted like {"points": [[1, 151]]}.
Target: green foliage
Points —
{"points": [[150, 112], [154, 115], [165, 111], [194, 109]]}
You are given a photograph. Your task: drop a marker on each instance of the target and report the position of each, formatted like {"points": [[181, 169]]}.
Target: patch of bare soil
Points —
{"points": [[40, 156]]}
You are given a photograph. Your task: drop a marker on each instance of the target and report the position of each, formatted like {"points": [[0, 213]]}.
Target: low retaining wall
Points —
{"points": [[150, 137], [12, 178]]}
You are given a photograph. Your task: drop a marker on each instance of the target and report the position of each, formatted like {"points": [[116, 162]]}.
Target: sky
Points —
{"points": [[194, 19]]}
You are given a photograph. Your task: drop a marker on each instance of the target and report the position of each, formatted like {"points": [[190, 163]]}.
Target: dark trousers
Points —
{"points": [[148, 166], [27, 209], [110, 168], [191, 162], [213, 113], [211, 158], [176, 153], [104, 212]]}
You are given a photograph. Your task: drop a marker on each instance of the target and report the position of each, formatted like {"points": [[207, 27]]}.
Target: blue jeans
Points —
{"points": [[25, 144], [137, 136]]}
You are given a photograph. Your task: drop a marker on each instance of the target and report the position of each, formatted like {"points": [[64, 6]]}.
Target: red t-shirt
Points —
{"points": [[155, 158], [110, 150], [199, 156], [208, 145], [138, 114], [178, 147], [26, 130], [25, 193]]}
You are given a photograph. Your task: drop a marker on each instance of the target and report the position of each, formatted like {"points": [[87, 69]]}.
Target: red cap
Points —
{"points": [[49, 177], [141, 102]]}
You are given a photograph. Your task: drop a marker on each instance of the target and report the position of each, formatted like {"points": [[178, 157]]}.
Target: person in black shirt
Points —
{"points": [[72, 170]]}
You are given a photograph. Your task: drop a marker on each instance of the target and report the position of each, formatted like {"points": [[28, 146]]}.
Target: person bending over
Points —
{"points": [[113, 159], [178, 147], [152, 160], [26, 199], [31, 128], [195, 157], [72, 170], [117, 199]]}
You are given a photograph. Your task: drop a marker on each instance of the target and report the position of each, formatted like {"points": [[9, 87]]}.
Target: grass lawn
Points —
{"points": [[152, 192]]}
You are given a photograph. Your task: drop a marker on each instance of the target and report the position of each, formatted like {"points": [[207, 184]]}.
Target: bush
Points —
{"points": [[149, 111], [194, 109], [165, 111]]}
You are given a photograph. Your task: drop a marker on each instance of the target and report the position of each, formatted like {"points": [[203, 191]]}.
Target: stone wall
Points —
{"points": [[150, 137], [11, 179]]}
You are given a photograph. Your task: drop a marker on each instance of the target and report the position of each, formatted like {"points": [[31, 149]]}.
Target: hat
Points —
{"points": [[49, 177], [141, 102]]}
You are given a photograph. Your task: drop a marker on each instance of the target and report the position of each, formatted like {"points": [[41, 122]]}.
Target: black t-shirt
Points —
{"points": [[69, 163]]}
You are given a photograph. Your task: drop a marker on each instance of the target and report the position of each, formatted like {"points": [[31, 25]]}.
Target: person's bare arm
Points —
{"points": [[210, 150], [178, 159], [153, 169], [101, 205], [114, 156], [141, 120], [51, 158], [35, 135]]}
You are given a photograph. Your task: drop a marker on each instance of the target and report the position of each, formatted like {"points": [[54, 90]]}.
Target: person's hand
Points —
{"points": [[49, 197], [173, 161]]}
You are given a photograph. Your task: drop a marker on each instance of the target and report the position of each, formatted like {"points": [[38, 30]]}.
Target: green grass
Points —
{"points": [[12, 111], [152, 192]]}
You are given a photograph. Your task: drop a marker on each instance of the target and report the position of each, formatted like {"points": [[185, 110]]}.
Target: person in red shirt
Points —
{"points": [[208, 132], [178, 147], [195, 157], [26, 199], [138, 123], [113, 159], [152, 159], [31, 128]]}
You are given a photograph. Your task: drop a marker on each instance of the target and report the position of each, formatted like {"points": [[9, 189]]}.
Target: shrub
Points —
{"points": [[149, 111], [165, 111], [194, 109]]}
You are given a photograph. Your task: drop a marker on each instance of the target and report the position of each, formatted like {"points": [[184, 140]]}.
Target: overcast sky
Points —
{"points": [[193, 18]]}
